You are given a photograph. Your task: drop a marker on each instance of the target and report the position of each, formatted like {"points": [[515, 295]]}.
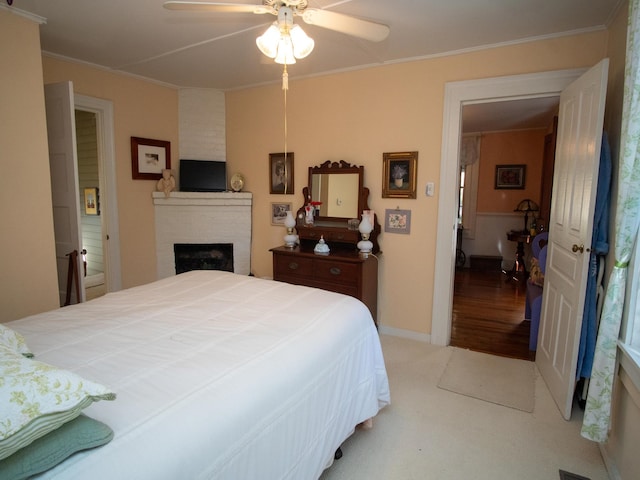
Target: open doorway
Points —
{"points": [[488, 309], [96, 162], [458, 95], [92, 248]]}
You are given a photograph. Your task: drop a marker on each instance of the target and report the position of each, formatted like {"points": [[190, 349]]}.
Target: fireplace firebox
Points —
{"points": [[203, 256]]}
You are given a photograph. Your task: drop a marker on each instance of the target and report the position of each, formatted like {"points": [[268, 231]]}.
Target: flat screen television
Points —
{"points": [[203, 176]]}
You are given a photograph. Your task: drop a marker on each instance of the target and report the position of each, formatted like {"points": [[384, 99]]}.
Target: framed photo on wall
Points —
{"points": [[400, 173], [279, 212], [91, 201], [397, 221], [510, 177], [149, 157], [281, 173]]}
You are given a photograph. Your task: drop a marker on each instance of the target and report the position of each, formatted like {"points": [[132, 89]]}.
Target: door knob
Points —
{"points": [[577, 248]]}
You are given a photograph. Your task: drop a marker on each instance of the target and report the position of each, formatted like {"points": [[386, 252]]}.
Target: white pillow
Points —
{"points": [[14, 341], [37, 398]]}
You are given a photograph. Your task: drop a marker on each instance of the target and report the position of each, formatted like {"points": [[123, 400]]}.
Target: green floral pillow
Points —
{"points": [[37, 398], [14, 341]]}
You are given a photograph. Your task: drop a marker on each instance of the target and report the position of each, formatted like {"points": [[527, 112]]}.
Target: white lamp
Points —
{"points": [[290, 239], [365, 245]]}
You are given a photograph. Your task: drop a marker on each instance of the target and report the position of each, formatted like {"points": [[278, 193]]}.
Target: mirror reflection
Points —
{"points": [[338, 192]]}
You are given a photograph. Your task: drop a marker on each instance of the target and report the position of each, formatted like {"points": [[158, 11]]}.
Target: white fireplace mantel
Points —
{"points": [[203, 217]]}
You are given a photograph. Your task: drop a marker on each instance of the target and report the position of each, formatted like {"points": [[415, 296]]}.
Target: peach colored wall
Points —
{"points": [[29, 282], [141, 109], [356, 116], [508, 148]]}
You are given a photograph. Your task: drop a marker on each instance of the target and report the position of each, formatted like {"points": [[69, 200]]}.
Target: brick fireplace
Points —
{"points": [[202, 218]]}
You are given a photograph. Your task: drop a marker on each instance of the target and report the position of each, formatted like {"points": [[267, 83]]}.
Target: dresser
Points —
{"points": [[342, 270], [337, 197]]}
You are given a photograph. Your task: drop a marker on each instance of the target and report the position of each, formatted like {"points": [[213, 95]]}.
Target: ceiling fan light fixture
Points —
{"points": [[285, 45], [302, 43], [284, 41], [268, 41], [285, 54]]}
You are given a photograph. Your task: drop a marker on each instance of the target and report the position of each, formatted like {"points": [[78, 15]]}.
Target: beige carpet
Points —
{"points": [[505, 381], [431, 433]]}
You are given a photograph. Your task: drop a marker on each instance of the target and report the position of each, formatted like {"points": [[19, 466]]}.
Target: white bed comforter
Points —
{"points": [[218, 376]]}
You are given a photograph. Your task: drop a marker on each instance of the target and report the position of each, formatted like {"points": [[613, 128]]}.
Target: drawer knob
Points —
{"points": [[335, 271], [293, 265]]}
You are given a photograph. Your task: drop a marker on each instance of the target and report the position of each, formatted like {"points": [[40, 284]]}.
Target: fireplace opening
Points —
{"points": [[203, 256]]}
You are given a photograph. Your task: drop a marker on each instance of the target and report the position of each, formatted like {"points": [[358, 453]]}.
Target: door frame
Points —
{"points": [[103, 109], [457, 94]]}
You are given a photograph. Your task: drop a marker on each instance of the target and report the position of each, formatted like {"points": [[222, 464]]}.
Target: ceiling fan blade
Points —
{"points": [[375, 32], [218, 7]]}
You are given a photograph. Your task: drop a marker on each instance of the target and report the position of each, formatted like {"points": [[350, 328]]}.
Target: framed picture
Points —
{"points": [[149, 157], [510, 177], [400, 173], [91, 201], [281, 173], [279, 213], [397, 221]]}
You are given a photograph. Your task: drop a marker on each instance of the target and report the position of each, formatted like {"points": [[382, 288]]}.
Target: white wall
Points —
{"points": [[490, 237], [202, 125]]}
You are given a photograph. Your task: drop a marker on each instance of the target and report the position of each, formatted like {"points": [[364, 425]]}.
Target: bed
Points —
{"points": [[217, 375]]}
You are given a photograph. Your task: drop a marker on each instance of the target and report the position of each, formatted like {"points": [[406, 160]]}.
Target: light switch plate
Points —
{"points": [[430, 189]]}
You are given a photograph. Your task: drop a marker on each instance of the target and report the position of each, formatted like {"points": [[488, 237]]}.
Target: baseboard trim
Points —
{"points": [[409, 334], [609, 463]]}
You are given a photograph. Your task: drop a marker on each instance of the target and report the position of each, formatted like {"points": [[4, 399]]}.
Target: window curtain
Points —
{"points": [[597, 415], [469, 149]]}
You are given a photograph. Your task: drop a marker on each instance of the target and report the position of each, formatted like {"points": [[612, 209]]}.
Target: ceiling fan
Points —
{"points": [[284, 9]]}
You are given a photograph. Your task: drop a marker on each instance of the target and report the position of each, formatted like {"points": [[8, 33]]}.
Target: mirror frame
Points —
{"points": [[338, 168], [336, 229]]}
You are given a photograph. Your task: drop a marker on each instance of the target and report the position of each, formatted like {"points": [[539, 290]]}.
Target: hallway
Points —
{"points": [[488, 314]]}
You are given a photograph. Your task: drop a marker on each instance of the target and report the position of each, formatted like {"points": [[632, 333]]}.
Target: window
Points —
{"points": [[468, 186], [461, 196], [630, 329]]}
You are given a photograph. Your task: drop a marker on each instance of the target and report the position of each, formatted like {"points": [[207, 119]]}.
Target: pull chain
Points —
{"points": [[285, 87]]}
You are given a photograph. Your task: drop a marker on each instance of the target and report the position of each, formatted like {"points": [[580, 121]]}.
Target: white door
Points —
{"points": [[64, 183], [572, 206]]}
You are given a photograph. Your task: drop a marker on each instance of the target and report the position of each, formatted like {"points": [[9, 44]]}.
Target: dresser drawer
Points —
{"points": [[350, 290], [342, 271], [342, 236], [339, 272], [288, 265]]}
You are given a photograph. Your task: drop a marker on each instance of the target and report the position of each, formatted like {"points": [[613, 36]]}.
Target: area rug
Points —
{"points": [[505, 381]]}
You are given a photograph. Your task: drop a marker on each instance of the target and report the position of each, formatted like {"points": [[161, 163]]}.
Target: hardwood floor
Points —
{"points": [[488, 314]]}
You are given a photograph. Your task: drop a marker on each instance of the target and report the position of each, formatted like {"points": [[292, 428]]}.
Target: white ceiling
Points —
{"points": [[215, 50], [509, 115]]}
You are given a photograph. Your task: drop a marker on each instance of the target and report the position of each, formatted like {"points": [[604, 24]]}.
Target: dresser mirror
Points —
{"points": [[337, 191], [338, 188]]}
